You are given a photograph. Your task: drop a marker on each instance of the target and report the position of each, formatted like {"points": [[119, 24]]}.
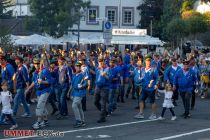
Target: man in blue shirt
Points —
{"points": [[79, 85], [149, 86], [113, 92], [63, 84], [42, 82], [102, 89], [169, 75], [184, 81], [21, 81], [7, 72]]}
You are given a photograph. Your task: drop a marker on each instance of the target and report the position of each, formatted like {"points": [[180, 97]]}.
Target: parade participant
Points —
{"points": [[184, 81], [54, 85], [5, 99], [169, 75], [138, 80], [102, 89], [85, 70], [167, 104], [127, 57], [7, 72], [91, 78], [113, 77], [21, 81], [156, 62], [63, 83], [149, 81], [124, 73], [131, 87], [79, 85], [194, 67], [204, 78], [42, 82]]}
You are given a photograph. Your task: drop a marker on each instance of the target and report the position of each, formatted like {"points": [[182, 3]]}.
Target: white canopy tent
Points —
{"points": [[97, 38], [37, 40]]}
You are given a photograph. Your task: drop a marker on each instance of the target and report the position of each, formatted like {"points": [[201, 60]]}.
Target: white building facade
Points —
{"points": [[122, 13]]}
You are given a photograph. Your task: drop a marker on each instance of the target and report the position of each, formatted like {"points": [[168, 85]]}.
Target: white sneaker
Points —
{"points": [[173, 118], [26, 115], [43, 124], [13, 127], [36, 125], [153, 117], [139, 116], [161, 118]]}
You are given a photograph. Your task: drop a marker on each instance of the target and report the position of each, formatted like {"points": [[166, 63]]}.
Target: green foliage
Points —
{"points": [[171, 10], [4, 4], [187, 5], [5, 40], [190, 13], [197, 24], [54, 17], [150, 10], [207, 15], [176, 28]]}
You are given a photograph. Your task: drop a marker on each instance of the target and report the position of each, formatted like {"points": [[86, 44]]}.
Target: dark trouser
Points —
{"points": [[52, 99], [164, 109], [84, 103], [101, 94], [175, 96], [186, 96], [112, 100], [9, 116], [62, 101], [193, 97], [130, 87], [138, 90]]}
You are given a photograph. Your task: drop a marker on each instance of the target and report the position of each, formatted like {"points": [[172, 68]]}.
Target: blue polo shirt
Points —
{"points": [[45, 76]]}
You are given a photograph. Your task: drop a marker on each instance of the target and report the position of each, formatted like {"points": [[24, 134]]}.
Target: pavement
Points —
{"points": [[122, 125]]}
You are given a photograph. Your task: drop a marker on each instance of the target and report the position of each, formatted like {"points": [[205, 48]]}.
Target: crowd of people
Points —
{"points": [[57, 75]]}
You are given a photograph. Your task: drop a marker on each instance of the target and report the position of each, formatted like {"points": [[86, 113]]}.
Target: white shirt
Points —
{"points": [[6, 98]]}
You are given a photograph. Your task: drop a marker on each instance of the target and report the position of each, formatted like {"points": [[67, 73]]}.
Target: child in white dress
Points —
{"points": [[168, 102], [5, 99]]}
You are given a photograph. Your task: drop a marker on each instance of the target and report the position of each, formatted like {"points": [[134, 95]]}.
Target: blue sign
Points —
{"points": [[108, 25]]}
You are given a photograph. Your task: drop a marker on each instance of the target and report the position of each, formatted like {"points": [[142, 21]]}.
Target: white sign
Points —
{"points": [[107, 35], [131, 32], [107, 41]]}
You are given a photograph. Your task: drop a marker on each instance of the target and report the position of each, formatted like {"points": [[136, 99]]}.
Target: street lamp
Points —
{"points": [[81, 14]]}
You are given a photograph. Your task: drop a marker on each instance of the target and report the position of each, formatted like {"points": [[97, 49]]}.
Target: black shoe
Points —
{"points": [[126, 96], [122, 101], [83, 123], [174, 103], [134, 98], [59, 117], [192, 108], [101, 121], [77, 124], [183, 115], [187, 116], [137, 107], [54, 111]]}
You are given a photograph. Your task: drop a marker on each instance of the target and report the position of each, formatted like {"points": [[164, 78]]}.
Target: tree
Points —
{"points": [[5, 41], [171, 10], [4, 12], [150, 10], [207, 15], [54, 17], [177, 28], [197, 24], [190, 13]]}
